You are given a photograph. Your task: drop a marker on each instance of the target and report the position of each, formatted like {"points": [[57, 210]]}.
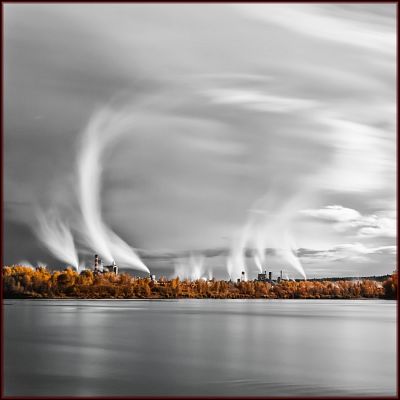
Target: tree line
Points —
{"points": [[25, 282]]}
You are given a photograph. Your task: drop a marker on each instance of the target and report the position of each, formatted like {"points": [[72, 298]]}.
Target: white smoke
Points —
{"points": [[103, 129], [57, 237], [236, 260], [82, 266], [230, 266], [196, 264], [258, 262], [191, 268], [25, 263], [259, 256], [41, 264], [288, 252], [267, 226]]}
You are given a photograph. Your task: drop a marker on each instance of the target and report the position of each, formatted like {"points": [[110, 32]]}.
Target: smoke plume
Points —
{"points": [[191, 268], [103, 129], [57, 237], [267, 225], [25, 263]]}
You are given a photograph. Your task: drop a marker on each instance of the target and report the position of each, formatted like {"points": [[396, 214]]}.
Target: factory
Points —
{"points": [[242, 277], [264, 278], [99, 268]]}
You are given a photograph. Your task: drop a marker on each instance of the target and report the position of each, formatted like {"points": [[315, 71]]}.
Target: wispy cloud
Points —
{"points": [[333, 213], [259, 101], [378, 227], [380, 224], [285, 100], [320, 21], [360, 156], [352, 252]]}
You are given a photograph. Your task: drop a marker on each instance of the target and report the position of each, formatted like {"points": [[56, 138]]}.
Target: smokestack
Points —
{"points": [[243, 276], [270, 275], [96, 262], [115, 268], [281, 274]]}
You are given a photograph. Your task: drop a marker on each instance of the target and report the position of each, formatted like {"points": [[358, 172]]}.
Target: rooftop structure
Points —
{"points": [[100, 268], [268, 278], [264, 277]]}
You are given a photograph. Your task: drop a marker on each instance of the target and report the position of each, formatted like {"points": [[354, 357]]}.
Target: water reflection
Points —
{"points": [[200, 347]]}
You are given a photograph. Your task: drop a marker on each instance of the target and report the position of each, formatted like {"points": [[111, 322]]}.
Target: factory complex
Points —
{"points": [[100, 268]]}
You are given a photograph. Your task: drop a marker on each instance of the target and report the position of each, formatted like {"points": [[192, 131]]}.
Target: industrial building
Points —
{"points": [[242, 278], [263, 277], [99, 268]]}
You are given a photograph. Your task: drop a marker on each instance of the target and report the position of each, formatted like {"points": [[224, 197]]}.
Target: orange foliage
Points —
{"points": [[20, 281]]}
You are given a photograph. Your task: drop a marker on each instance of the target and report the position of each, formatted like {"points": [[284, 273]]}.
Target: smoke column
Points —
{"points": [[257, 261], [191, 268], [89, 172], [26, 263], [288, 253], [196, 267], [265, 228], [259, 244], [236, 261], [57, 237], [41, 264], [103, 128]]}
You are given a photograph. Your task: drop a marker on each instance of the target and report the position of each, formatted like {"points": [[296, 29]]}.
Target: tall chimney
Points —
{"points": [[270, 275], [96, 262], [281, 274]]}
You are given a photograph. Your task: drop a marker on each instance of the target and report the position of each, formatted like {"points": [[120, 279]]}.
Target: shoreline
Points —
{"points": [[193, 298], [25, 283]]}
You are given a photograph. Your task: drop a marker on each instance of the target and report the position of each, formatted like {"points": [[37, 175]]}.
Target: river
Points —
{"points": [[199, 347]]}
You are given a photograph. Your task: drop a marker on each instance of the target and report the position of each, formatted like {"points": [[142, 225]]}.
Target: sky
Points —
{"points": [[201, 139]]}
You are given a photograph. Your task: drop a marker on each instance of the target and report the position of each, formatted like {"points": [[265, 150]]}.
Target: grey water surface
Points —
{"points": [[200, 347]]}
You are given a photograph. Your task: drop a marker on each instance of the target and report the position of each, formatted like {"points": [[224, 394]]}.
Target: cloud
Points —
{"points": [[220, 117], [360, 159], [259, 101], [381, 227], [170, 254], [381, 224], [358, 248], [320, 21], [334, 213], [356, 252]]}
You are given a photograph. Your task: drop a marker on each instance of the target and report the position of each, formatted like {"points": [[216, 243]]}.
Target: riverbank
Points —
{"points": [[23, 282]]}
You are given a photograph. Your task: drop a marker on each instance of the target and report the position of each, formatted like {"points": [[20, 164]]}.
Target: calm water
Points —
{"points": [[200, 347]]}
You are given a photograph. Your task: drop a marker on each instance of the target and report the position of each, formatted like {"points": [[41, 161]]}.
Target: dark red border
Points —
{"points": [[2, 209]]}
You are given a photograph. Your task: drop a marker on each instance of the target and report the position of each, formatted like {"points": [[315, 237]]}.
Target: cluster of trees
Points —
{"points": [[26, 282]]}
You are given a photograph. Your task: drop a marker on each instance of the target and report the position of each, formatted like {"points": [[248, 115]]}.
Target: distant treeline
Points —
{"points": [[26, 282], [378, 278]]}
